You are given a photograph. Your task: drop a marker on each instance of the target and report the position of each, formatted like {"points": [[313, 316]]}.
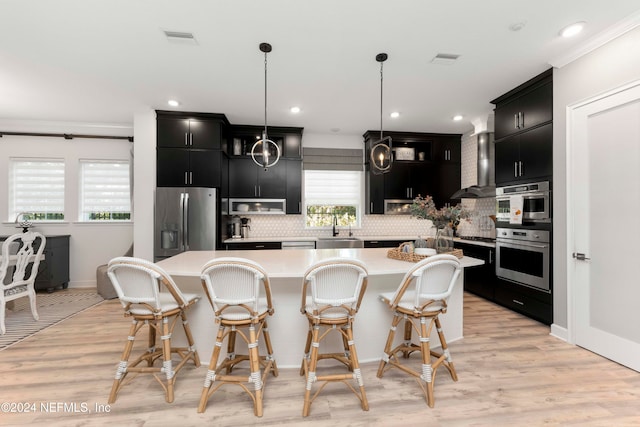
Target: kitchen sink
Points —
{"points": [[338, 242]]}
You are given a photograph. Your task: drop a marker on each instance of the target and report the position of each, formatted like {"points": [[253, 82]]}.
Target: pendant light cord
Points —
{"points": [[265, 97], [381, 64]]}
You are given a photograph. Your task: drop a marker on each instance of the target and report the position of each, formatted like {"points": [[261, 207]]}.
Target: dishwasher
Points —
{"points": [[306, 244]]}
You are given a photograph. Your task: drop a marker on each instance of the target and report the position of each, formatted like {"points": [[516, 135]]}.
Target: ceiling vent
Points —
{"points": [[180, 37], [445, 59]]}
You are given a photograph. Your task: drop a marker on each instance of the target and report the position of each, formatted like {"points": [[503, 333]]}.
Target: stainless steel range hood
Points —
{"points": [[486, 186]]}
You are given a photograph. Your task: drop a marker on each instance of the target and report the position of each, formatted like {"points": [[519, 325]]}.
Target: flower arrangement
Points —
{"points": [[425, 208]]}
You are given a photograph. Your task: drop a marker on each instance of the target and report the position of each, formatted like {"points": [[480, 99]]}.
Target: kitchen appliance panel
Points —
{"points": [[536, 202], [201, 213], [169, 220]]}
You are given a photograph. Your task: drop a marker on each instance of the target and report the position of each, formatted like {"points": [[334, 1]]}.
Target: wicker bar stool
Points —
{"points": [[419, 300], [331, 296], [139, 284], [239, 292]]}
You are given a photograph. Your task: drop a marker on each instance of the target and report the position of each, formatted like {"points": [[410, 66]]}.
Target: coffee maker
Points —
{"points": [[244, 229], [236, 229]]}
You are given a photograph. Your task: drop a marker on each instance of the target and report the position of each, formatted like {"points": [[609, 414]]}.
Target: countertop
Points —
{"points": [[367, 238]]}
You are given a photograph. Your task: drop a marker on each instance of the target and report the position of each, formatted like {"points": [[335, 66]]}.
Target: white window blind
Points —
{"points": [[36, 187], [332, 187], [105, 191]]}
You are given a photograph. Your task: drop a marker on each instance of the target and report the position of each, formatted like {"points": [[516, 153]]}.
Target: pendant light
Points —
{"points": [[264, 147], [380, 155]]}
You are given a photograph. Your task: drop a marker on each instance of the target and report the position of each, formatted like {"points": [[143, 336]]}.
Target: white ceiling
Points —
{"points": [[102, 61]]}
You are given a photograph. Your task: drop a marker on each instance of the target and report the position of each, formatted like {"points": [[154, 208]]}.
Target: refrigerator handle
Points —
{"points": [[185, 223], [182, 221]]}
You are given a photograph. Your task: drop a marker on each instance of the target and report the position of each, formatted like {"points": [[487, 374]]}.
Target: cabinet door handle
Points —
{"points": [[190, 139], [255, 191], [521, 119], [259, 246], [520, 168], [185, 178], [490, 257], [186, 140], [518, 302], [190, 178], [370, 207], [515, 169], [516, 124], [259, 191]]}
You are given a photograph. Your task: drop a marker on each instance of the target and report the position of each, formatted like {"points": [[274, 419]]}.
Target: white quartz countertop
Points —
{"points": [[294, 263], [403, 238]]}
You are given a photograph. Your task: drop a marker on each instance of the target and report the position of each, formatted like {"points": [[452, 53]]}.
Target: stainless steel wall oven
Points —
{"points": [[523, 256]]}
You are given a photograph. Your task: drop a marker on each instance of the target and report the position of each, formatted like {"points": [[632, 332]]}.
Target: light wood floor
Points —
{"points": [[511, 372]]}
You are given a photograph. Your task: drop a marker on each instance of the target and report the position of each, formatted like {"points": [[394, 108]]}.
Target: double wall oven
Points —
{"points": [[523, 251]]}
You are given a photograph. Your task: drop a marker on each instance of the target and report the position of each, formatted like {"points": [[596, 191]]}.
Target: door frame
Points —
{"points": [[571, 111]]}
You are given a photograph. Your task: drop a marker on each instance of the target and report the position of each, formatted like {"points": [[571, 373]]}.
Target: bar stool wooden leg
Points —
{"points": [[121, 372], [267, 341], [190, 340], [448, 361], [167, 365], [355, 367], [387, 347], [254, 361], [211, 372], [307, 349], [427, 370], [311, 369]]}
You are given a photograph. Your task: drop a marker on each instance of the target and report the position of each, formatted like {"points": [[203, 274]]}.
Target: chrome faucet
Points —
{"points": [[335, 222]]}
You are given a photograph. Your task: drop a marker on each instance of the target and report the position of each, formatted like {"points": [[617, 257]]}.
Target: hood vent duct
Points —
{"points": [[486, 179]]}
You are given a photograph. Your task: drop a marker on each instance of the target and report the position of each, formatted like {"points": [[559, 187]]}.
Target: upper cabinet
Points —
{"points": [[423, 164], [243, 137], [524, 107], [524, 132], [189, 149]]}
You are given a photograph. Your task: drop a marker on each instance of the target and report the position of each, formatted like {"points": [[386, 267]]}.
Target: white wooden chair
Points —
{"points": [[419, 300], [151, 297], [332, 291], [240, 294], [18, 269]]}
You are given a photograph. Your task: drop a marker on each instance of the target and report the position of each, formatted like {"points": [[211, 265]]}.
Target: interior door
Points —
{"points": [[604, 203]]}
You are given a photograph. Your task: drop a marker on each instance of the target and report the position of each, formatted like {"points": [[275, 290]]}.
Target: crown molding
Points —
{"points": [[600, 39]]}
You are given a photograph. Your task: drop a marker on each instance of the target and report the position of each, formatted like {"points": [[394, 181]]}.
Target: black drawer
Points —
{"points": [[382, 243], [512, 296], [253, 246]]}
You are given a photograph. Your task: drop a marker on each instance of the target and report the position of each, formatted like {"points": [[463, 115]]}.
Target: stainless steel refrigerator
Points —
{"points": [[186, 219]]}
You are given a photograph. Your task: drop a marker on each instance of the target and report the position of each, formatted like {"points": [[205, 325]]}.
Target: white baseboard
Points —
{"points": [[559, 332]]}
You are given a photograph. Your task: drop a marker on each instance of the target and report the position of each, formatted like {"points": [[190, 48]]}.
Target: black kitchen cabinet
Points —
{"points": [[245, 246], [189, 149], [438, 175], [480, 279], [524, 107], [243, 137], [248, 180], [294, 186], [178, 167], [524, 132], [530, 302], [527, 156], [190, 130], [374, 192]]}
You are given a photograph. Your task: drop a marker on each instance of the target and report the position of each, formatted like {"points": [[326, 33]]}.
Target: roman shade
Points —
{"points": [[332, 159]]}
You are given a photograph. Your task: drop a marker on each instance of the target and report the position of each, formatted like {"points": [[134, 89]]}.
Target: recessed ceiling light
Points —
{"points": [[294, 110], [572, 30], [445, 58], [517, 26], [394, 115], [458, 117], [173, 103]]}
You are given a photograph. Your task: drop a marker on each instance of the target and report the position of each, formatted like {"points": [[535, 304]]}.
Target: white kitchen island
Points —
{"points": [[288, 327]]}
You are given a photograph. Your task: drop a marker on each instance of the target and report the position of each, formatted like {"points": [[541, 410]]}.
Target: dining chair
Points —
{"points": [[19, 262], [420, 299], [153, 300]]}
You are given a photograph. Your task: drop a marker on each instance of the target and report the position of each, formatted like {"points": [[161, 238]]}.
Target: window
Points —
{"points": [[332, 194], [104, 191], [36, 189]]}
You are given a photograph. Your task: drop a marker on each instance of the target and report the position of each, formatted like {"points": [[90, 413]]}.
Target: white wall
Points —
{"points": [[606, 68], [90, 244]]}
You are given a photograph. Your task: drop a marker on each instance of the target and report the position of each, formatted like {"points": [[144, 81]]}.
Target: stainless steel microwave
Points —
{"points": [[536, 201]]}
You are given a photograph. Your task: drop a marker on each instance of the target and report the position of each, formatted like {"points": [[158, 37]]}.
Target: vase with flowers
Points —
{"points": [[445, 219]]}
